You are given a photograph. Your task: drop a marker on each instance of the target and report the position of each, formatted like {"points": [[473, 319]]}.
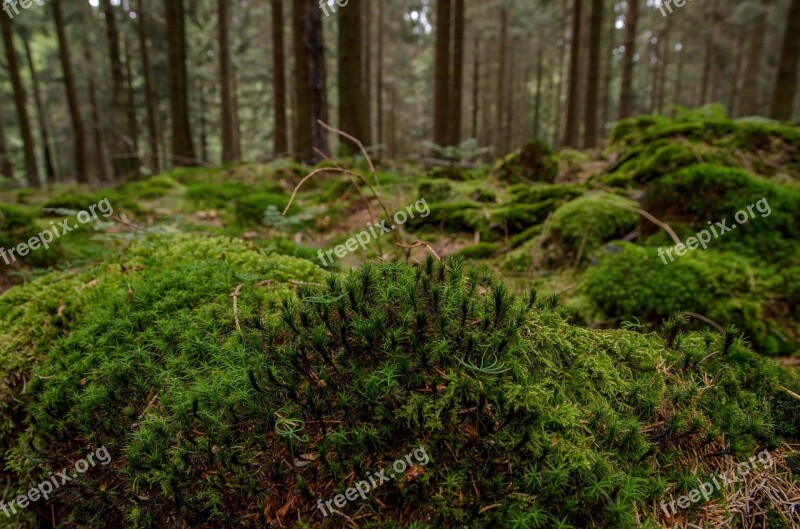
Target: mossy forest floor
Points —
{"points": [[558, 373]]}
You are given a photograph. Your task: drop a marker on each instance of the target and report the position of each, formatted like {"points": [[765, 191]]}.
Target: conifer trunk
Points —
{"points": [[626, 89], [279, 68], [182, 148], [786, 81], [441, 100], [152, 130]]}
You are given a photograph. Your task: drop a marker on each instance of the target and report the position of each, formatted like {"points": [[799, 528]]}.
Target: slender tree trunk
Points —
{"points": [[279, 67], [5, 162], [537, 112], [97, 128], [441, 102], [44, 130], [709, 48], [572, 128], [353, 101], [302, 124], [182, 148], [123, 158], [734, 94], [560, 87], [593, 81], [476, 84], [501, 79], [608, 70], [786, 81], [626, 90], [676, 87], [662, 78], [748, 104], [20, 100], [457, 79], [150, 102], [203, 133], [381, 31], [81, 165], [319, 101], [131, 110], [228, 138], [366, 53]]}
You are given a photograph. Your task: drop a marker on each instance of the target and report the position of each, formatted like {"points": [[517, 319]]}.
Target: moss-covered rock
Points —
{"points": [[533, 163]]}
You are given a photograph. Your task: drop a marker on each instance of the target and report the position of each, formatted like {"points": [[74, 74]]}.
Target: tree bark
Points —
{"points": [[441, 100], [537, 106], [476, 87], [593, 79], [279, 67], [786, 81], [381, 23], [5, 163], [572, 129], [31, 169], [152, 130], [302, 125], [626, 90], [748, 104], [81, 165], [182, 148], [499, 148], [44, 130], [457, 79], [228, 138], [319, 101], [353, 101], [131, 108]]}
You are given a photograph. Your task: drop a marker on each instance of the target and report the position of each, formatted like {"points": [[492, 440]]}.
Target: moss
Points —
{"points": [[585, 223], [709, 193], [530, 194], [151, 188], [633, 282], [366, 367], [435, 190], [251, 208], [533, 163]]}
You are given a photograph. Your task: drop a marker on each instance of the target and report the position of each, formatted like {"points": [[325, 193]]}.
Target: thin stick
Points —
{"points": [[417, 244], [235, 296], [353, 139], [652, 219]]}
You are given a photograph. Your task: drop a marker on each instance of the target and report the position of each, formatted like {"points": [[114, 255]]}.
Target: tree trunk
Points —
{"points": [[501, 79], [44, 130], [81, 165], [279, 67], [748, 104], [560, 86], [366, 54], [457, 79], [441, 99], [302, 118], [123, 158], [353, 101], [150, 103], [537, 106], [608, 70], [203, 135], [97, 128], [786, 81], [626, 90], [228, 138], [319, 102], [593, 80], [5, 163], [31, 169], [381, 23], [182, 148], [662, 78], [572, 129], [131, 109], [476, 87], [709, 48]]}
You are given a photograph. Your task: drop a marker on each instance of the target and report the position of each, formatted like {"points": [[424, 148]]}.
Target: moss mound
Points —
{"points": [[584, 224], [245, 417], [533, 163], [632, 282]]}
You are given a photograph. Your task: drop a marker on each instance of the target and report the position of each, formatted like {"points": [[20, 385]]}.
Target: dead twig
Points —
{"points": [[235, 296], [417, 244]]}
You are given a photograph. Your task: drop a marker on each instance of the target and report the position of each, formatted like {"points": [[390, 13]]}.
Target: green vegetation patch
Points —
{"points": [[223, 416]]}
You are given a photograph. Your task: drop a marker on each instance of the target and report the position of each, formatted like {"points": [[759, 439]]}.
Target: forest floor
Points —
{"points": [[145, 327]]}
